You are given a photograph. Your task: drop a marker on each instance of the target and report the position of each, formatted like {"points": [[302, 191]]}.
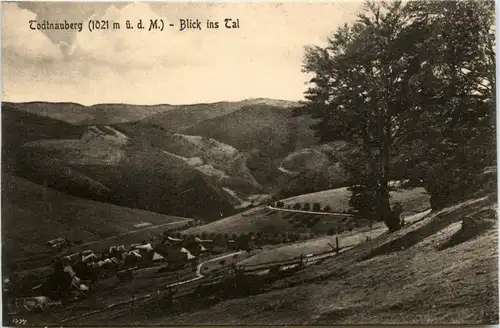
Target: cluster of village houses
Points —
{"points": [[75, 273]]}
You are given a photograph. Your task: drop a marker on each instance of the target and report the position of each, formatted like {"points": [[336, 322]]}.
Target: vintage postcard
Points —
{"points": [[251, 163]]}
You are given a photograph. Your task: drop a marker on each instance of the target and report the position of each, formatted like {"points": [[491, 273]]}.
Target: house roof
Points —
{"points": [[157, 257]]}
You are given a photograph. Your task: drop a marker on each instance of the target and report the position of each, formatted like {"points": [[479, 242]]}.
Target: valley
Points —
{"points": [[265, 204]]}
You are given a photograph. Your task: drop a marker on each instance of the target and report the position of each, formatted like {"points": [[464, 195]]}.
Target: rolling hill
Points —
{"points": [[244, 155], [218, 162], [313, 169], [123, 174], [33, 214], [88, 115], [103, 164], [270, 130], [20, 127], [267, 134], [185, 116]]}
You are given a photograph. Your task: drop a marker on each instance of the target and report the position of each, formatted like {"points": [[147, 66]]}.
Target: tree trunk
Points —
{"points": [[384, 206]]}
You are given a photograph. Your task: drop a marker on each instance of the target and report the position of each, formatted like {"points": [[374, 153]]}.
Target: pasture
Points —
{"points": [[263, 220], [33, 215]]}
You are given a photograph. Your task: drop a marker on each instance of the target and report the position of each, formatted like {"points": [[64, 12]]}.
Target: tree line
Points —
{"points": [[411, 86]]}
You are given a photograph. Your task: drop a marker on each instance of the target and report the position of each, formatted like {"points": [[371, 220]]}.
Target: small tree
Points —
{"points": [[243, 242], [307, 207], [316, 207], [297, 206]]}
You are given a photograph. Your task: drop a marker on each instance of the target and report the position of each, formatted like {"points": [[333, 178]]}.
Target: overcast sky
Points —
{"points": [[261, 59]]}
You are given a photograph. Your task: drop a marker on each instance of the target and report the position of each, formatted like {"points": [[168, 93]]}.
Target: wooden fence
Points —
{"points": [[175, 291]]}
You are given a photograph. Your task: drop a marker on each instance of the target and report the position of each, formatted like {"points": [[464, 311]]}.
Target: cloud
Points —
{"points": [[19, 40], [59, 11], [134, 48], [261, 59]]}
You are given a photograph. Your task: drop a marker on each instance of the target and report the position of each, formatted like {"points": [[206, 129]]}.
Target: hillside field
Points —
{"points": [[441, 270], [413, 200], [261, 219], [32, 215], [324, 244]]}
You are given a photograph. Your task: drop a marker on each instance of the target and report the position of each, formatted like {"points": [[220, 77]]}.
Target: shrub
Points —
{"points": [[327, 209], [297, 206], [316, 207], [307, 207]]}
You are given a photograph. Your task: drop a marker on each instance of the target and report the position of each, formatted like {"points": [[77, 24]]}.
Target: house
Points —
{"points": [[174, 255], [143, 248], [174, 241], [89, 258], [157, 257], [56, 242], [195, 248]]}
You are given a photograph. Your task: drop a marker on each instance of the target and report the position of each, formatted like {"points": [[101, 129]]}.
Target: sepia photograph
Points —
{"points": [[249, 163]]}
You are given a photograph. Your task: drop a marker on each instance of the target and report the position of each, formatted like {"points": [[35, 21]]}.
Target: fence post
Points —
{"points": [[133, 305], [301, 260]]}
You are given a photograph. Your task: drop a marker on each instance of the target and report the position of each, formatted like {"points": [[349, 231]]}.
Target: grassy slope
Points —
{"points": [[312, 169], [266, 133], [262, 220], [113, 172], [414, 200], [421, 283], [19, 127], [221, 163], [271, 130], [33, 215], [152, 180], [324, 243]]}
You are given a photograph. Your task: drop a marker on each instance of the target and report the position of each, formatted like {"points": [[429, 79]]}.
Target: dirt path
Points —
{"points": [[310, 212], [146, 295], [198, 275]]}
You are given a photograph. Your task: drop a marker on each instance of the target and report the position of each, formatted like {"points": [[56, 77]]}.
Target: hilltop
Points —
{"points": [[78, 114], [312, 169], [246, 148], [186, 116]]}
